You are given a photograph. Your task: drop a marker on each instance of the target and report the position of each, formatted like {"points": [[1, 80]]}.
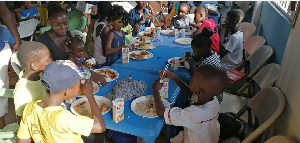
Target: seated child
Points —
{"points": [[201, 17], [202, 53], [200, 120], [140, 18], [33, 56], [115, 37], [47, 121], [30, 12], [78, 55], [181, 21], [231, 40]]}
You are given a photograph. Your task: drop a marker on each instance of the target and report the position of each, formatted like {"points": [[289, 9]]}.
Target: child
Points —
{"points": [[181, 21], [30, 12], [78, 55], [140, 18], [33, 56], [100, 31], [201, 17], [200, 120], [115, 37], [128, 33], [231, 40], [47, 121]]}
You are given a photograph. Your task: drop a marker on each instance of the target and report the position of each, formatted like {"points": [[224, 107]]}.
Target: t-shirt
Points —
{"points": [[200, 122], [27, 91], [56, 52], [53, 125], [215, 37], [180, 23], [30, 13], [127, 37], [234, 45]]}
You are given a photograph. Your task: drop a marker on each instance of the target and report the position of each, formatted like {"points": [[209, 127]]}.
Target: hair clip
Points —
{"points": [[79, 37], [68, 41]]}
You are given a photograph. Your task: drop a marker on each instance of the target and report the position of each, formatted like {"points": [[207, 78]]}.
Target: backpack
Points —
{"points": [[232, 126]]}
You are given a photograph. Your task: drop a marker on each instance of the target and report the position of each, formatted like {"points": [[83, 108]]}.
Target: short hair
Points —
{"points": [[214, 73], [55, 10], [186, 5], [203, 38], [104, 8], [30, 52], [236, 14], [202, 9]]}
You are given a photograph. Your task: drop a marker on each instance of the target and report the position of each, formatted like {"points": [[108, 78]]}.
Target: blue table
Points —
{"points": [[147, 71]]}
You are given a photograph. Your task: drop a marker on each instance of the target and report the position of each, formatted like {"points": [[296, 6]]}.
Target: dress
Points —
{"points": [[56, 52], [117, 41], [215, 37], [53, 124], [79, 60], [174, 11], [98, 49], [234, 45], [135, 16], [27, 91], [200, 122]]}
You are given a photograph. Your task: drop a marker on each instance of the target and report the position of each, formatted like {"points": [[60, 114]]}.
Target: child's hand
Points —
{"points": [[157, 85], [167, 74], [99, 79], [127, 32], [151, 17], [87, 88]]}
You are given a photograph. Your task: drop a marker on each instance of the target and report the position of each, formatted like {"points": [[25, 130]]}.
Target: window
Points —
{"points": [[288, 8]]}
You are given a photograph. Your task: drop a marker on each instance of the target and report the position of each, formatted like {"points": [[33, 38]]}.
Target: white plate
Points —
{"points": [[178, 63], [150, 46], [84, 108], [167, 32], [138, 53], [108, 79], [190, 32], [184, 41], [141, 34], [95, 88], [139, 106], [149, 29], [138, 40]]}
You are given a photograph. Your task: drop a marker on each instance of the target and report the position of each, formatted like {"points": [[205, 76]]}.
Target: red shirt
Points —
{"points": [[215, 37]]}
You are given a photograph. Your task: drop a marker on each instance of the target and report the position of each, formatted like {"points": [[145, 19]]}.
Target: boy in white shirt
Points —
{"points": [[200, 120]]}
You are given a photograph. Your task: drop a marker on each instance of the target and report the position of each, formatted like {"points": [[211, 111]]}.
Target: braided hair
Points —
{"points": [[69, 41], [118, 12]]}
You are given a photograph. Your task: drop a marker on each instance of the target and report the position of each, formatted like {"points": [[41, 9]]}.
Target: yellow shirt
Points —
{"points": [[53, 125], [27, 91], [127, 37]]}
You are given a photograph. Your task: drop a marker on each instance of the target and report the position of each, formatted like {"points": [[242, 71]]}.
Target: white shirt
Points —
{"points": [[191, 117]]}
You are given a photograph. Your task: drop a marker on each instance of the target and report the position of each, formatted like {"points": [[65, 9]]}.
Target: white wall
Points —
{"points": [[289, 82]]}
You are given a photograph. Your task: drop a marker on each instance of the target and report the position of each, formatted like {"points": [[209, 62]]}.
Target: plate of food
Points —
{"points": [[140, 55], [150, 29], [145, 46], [184, 41], [190, 32], [180, 61], [109, 74], [143, 39], [147, 34], [144, 106], [81, 106], [95, 88], [167, 32]]}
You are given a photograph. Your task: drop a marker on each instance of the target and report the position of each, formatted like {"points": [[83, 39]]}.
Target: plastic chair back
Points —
{"points": [[44, 29], [43, 15], [27, 27], [267, 105], [155, 7], [75, 33], [76, 20], [15, 63], [248, 29], [253, 43], [279, 139], [267, 75], [259, 57]]}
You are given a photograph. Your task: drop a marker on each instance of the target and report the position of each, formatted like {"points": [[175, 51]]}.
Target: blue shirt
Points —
{"points": [[135, 16], [29, 13]]}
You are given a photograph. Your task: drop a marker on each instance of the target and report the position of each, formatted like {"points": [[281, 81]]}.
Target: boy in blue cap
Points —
{"points": [[48, 120]]}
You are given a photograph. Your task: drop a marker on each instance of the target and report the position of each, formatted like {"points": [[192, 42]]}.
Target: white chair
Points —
{"points": [[248, 29], [15, 63], [252, 44], [75, 33], [267, 105], [27, 28], [279, 139]]}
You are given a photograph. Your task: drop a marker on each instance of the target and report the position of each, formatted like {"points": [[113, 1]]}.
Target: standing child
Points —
{"points": [[30, 12], [47, 121], [33, 56], [181, 21], [100, 31], [200, 120], [231, 40], [115, 37], [201, 17]]}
